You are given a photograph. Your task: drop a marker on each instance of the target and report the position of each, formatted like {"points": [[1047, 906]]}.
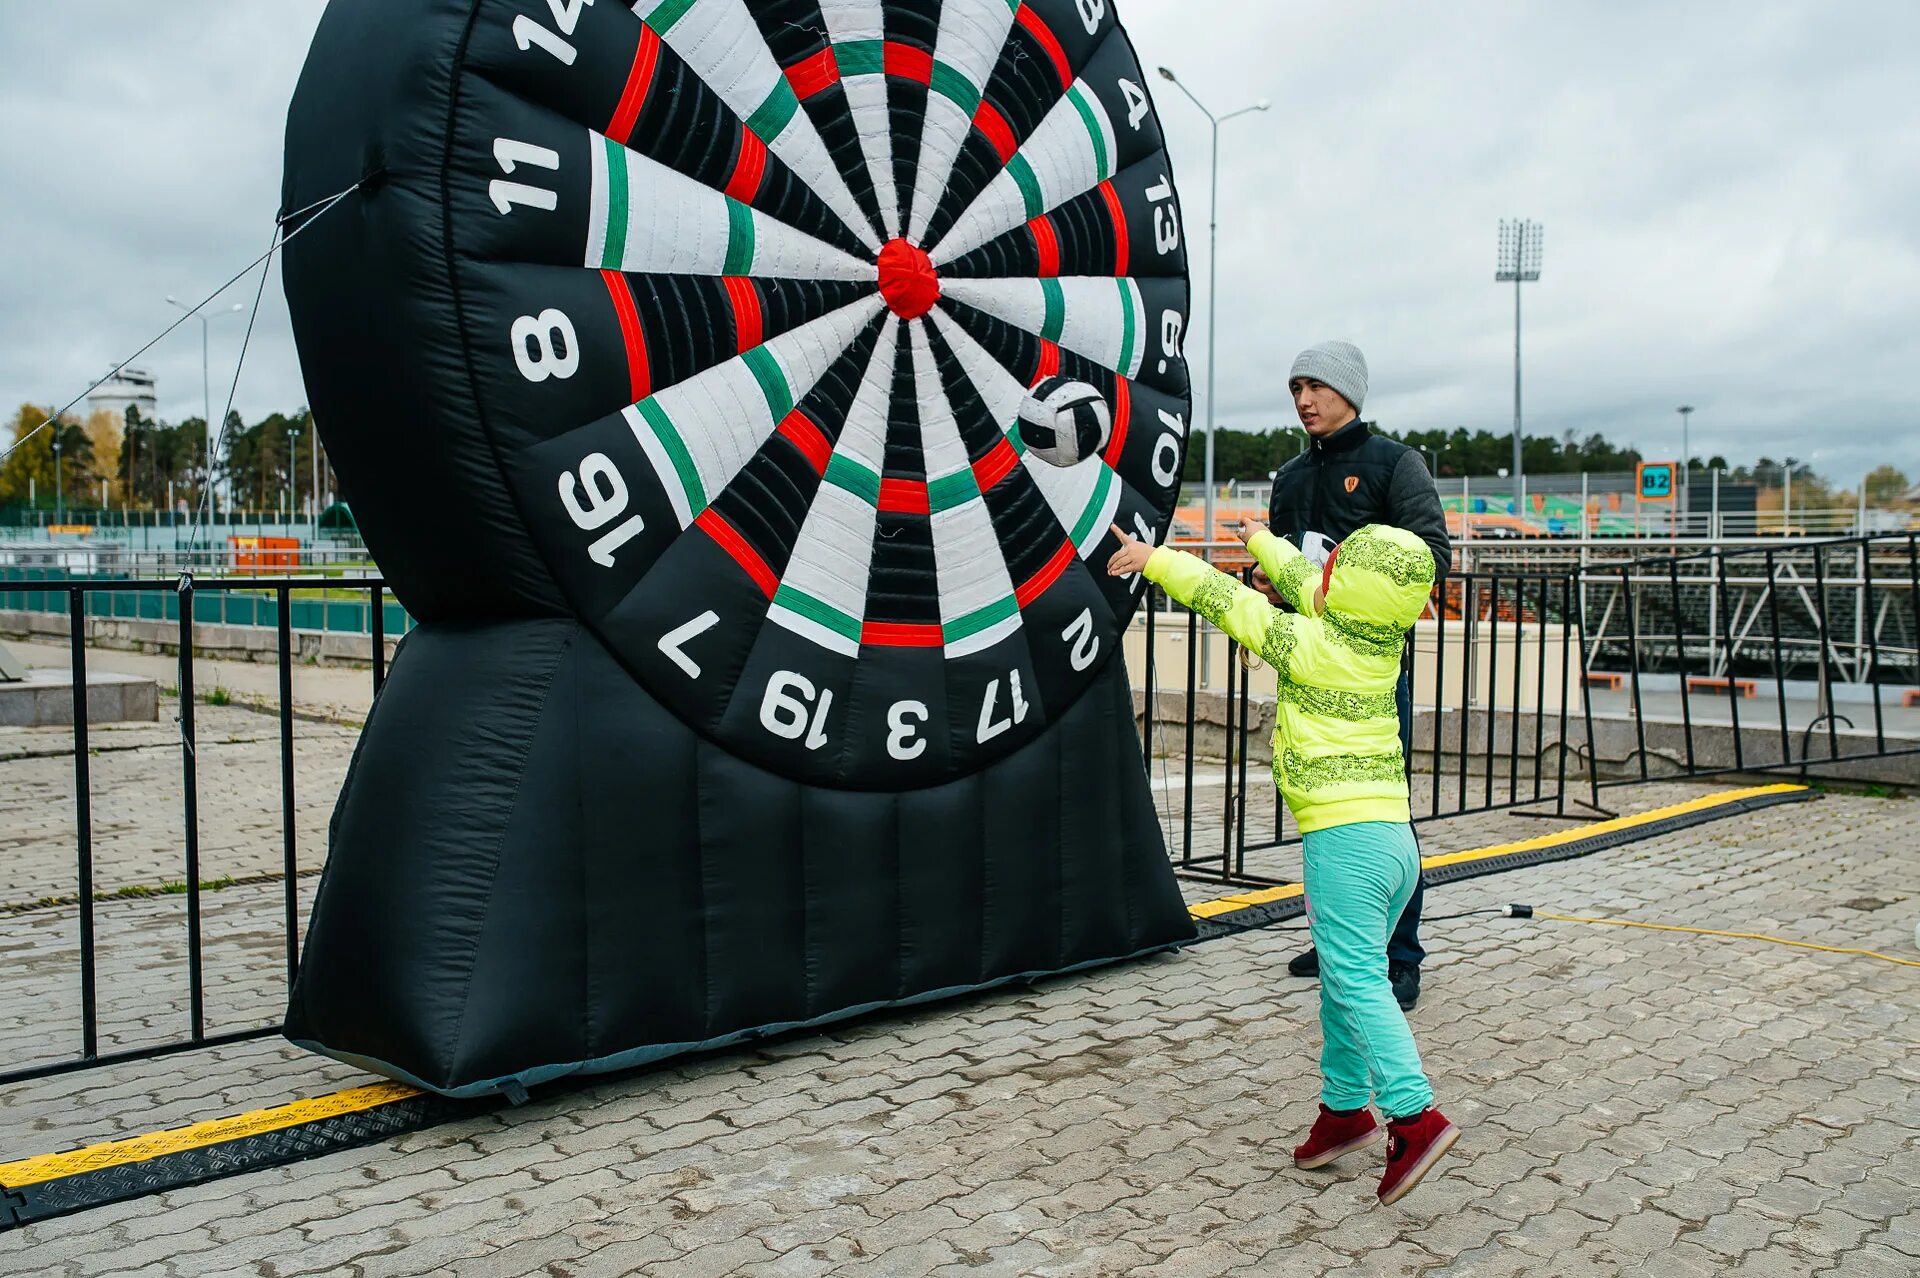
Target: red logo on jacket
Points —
{"points": [[1353, 482]]}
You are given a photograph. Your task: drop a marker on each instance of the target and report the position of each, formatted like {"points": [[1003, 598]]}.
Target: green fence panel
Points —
{"points": [[211, 606]]}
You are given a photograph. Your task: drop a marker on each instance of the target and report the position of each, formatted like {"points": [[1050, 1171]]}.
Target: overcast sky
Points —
{"points": [[1731, 193]]}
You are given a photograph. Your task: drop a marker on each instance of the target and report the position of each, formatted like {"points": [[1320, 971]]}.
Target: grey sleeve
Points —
{"points": [[1413, 503]]}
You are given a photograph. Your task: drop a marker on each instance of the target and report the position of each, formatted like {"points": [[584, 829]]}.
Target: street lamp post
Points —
{"points": [[293, 457], [1520, 253], [1686, 463], [206, 385], [313, 462], [1213, 264], [59, 493]]}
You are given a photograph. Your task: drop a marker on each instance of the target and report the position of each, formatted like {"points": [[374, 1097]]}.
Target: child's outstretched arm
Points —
{"points": [[1292, 573], [1237, 609]]}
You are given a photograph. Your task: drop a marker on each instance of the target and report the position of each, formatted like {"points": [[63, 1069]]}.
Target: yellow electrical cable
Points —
{"points": [[1743, 936]]}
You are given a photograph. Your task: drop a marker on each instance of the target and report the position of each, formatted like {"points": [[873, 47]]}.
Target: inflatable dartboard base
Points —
{"points": [[673, 357], [538, 870]]}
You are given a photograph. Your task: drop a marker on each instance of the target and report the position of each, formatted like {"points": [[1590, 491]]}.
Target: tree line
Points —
{"points": [[1250, 456], [143, 464]]}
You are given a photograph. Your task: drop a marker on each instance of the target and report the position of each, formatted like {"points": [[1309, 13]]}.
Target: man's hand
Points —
{"points": [[1265, 587], [1249, 527], [1131, 557]]}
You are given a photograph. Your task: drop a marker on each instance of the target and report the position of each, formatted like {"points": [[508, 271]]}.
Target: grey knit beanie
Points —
{"points": [[1338, 364]]}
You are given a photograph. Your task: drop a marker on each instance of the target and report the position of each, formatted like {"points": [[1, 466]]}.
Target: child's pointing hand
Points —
{"points": [[1131, 557]]}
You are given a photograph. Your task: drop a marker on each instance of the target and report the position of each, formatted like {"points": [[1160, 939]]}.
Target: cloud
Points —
{"points": [[1729, 191], [143, 159]]}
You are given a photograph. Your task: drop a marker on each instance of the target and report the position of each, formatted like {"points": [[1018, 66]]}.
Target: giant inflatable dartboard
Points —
{"points": [[672, 357]]}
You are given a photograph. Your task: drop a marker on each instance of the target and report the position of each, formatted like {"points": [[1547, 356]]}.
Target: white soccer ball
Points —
{"points": [[1064, 422]]}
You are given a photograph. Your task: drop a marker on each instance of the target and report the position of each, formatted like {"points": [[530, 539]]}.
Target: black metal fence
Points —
{"points": [[1763, 658], [1493, 691], [1534, 692], [1529, 692], [187, 589]]}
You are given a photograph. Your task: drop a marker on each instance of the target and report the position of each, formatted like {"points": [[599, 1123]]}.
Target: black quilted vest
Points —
{"points": [[1335, 486]]}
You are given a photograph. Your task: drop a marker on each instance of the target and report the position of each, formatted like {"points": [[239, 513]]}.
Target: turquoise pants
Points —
{"points": [[1358, 880]]}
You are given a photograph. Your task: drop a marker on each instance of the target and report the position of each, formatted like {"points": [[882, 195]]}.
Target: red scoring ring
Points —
{"points": [[908, 280]]}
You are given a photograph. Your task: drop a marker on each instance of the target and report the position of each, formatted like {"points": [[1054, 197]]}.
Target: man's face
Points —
{"points": [[1322, 409]]}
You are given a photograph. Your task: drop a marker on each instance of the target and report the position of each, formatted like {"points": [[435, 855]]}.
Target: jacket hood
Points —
{"points": [[1381, 577]]}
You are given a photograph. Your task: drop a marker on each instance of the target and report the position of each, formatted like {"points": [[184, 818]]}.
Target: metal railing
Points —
{"points": [[1748, 657], [1493, 687], [188, 595], [1821, 630], [1519, 703], [343, 605]]}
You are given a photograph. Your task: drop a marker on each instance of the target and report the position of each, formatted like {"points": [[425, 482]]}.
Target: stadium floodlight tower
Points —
{"points": [[1520, 245]]}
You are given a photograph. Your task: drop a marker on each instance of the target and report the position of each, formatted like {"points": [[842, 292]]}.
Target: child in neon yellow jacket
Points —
{"points": [[1338, 763]]}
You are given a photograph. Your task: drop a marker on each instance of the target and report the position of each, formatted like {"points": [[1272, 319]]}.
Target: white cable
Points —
{"points": [[278, 244]]}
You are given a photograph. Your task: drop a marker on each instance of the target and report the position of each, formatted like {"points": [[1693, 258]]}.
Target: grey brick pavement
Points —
{"points": [[1634, 1102]]}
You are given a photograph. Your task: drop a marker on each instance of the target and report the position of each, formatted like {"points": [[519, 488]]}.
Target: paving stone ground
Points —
{"points": [[1634, 1102]]}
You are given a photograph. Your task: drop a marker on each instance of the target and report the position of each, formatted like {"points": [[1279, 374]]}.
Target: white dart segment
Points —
{"points": [[977, 607], [719, 41], [646, 218], [972, 33], [1102, 319], [699, 433], [1072, 151], [861, 23], [823, 596]]}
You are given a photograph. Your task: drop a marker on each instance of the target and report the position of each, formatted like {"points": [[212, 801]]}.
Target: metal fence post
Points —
{"points": [[1680, 660], [1193, 708], [1873, 645], [190, 804], [377, 622], [1633, 653], [288, 838], [1726, 622], [1779, 658], [83, 823], [1825, 642]]}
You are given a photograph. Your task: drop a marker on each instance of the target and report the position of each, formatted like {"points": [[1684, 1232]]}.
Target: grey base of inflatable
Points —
{"points": [[536, 870]]}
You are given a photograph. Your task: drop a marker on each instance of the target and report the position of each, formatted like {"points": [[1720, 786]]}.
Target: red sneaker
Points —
{"points": [[1335, 1134], [1414, 1145]]}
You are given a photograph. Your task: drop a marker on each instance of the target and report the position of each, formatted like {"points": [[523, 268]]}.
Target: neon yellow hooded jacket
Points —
{"points": [[1336, 736]]}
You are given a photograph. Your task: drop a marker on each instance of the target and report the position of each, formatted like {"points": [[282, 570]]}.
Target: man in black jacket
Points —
{"points": [[1347, 477]]}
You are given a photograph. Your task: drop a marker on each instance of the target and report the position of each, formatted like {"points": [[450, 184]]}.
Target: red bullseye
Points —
{"points": [[908, 280]]}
